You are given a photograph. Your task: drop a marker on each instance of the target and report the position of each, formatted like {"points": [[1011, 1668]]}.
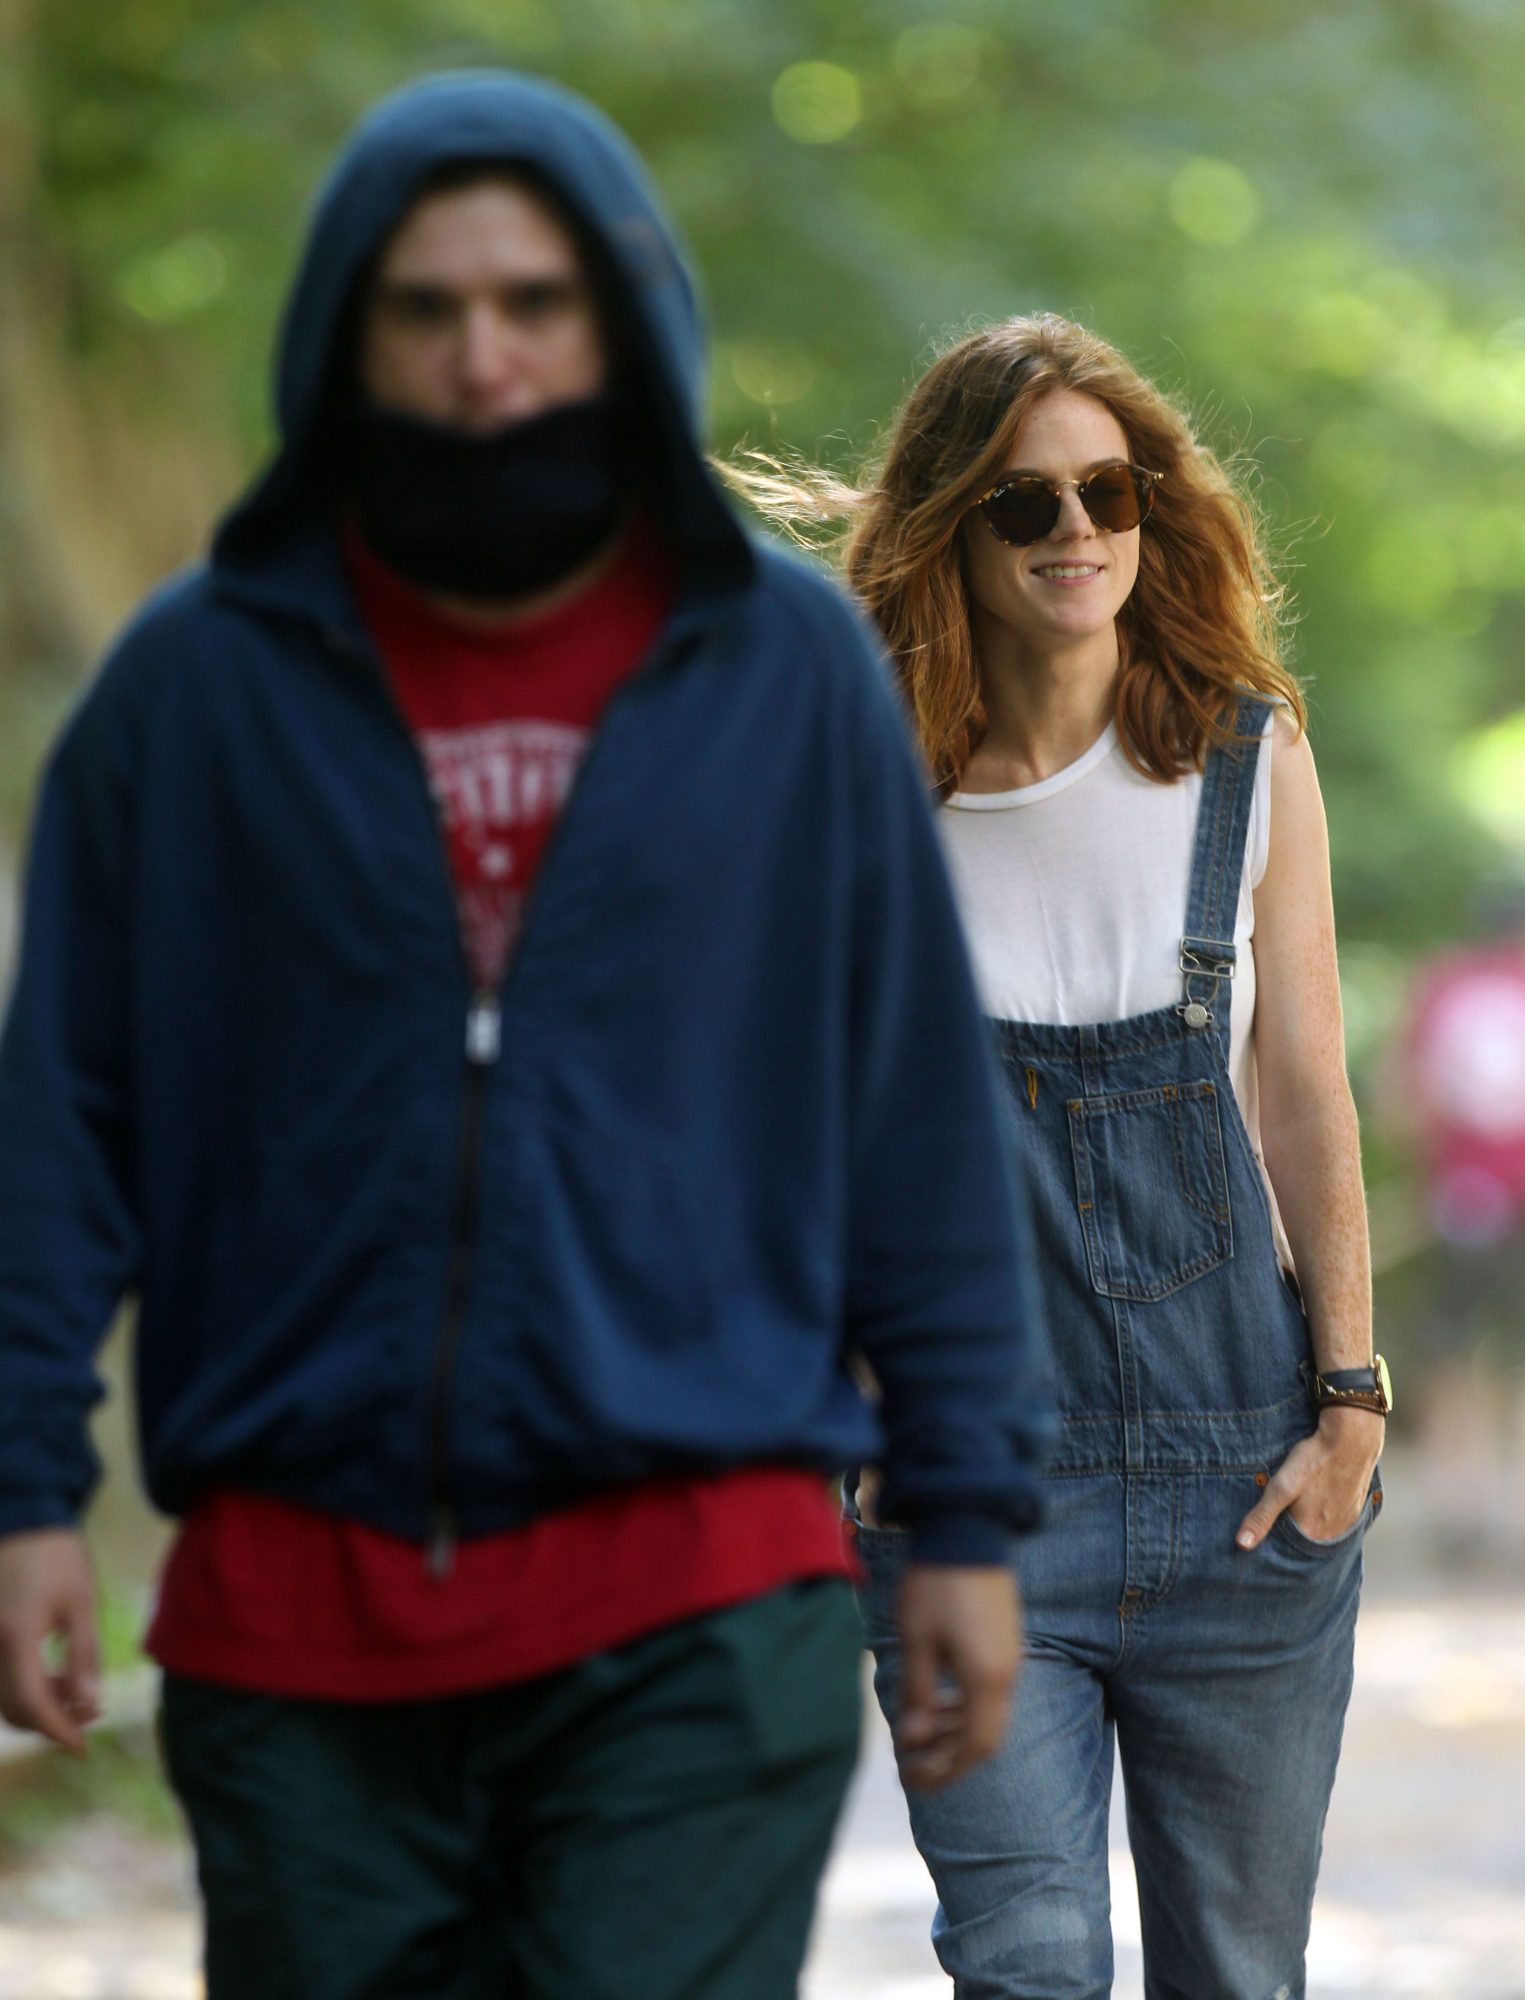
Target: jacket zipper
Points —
{"points": [[484, 1041], [484, 1037], [484, 1026], [484, 1023]]}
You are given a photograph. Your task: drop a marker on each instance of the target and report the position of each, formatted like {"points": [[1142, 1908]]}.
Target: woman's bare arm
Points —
{"points": [[1311, 1141]]}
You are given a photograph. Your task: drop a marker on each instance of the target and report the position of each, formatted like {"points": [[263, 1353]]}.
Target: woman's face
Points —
{"points": [[1069, 587]]}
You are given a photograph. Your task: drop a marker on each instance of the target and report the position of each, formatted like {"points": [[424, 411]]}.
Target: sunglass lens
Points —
{"points": [[1113, 499], [1022, 511]]}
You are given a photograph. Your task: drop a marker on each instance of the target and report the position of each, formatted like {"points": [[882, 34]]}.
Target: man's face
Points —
{"points": [[480, 313]]}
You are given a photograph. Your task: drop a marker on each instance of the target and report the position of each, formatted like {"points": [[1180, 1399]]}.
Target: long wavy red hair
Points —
{"points": [[1203, 624]]}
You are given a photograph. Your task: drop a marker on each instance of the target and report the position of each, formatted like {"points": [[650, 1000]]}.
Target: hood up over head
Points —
{"points": [[657, 337]]}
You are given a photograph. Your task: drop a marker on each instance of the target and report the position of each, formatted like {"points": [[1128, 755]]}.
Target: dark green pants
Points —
{"points": [[650, 1824]]}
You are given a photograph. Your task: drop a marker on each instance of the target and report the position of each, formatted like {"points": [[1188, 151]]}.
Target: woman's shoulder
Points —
{"points": [[1295, 832], [1288, 755]]}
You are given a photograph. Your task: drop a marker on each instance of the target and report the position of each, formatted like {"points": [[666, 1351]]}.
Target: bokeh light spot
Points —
{"points": [[1478, 392], [1488, 771], [175, 282], [817, 103], [1213, 203]]}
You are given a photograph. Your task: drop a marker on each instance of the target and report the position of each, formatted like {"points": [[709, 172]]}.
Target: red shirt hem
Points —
{"points": [[277, 1599]]}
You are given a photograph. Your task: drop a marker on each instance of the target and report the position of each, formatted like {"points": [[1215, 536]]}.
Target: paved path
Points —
{"points": [[1422, 1895]]}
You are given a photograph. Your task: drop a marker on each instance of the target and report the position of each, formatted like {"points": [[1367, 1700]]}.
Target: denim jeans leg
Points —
{"points": [[1018, 1849], [1230, 1708]]}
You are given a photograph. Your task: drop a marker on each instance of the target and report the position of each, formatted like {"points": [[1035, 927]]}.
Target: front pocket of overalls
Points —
{"points": [[1152, 1188]]}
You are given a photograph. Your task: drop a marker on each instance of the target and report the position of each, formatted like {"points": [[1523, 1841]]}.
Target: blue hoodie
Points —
{"points": [[730, 1126]]}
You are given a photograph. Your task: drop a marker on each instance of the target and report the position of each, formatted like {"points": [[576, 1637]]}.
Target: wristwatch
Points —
{"points": [[1353, 1388]]}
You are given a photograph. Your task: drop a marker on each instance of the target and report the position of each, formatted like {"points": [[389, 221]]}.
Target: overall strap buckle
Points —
{"points": [[1229, 774], [1209, 960]]}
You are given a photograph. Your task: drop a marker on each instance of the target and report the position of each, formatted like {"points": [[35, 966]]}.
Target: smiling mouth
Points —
{"points": [[1068, 572]]}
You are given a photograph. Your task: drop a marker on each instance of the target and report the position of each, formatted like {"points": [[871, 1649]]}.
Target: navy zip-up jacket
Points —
{"points": [[739, 1124]]}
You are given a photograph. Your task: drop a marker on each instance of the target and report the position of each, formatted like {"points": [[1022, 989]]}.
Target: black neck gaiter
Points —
{"points": [[494, 515]]}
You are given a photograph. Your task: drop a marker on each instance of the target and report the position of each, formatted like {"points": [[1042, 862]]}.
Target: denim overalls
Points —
{"points": [[1223, 1675]]}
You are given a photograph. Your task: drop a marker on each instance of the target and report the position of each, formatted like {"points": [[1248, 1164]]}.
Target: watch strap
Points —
{"points": [[1351, 1388]]}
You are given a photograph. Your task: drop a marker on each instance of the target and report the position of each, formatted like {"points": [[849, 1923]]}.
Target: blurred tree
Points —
{"points": [[1306, 220]]}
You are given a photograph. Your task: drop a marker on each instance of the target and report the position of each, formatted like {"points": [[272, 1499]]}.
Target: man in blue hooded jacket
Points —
{"points": [[489, 990]]}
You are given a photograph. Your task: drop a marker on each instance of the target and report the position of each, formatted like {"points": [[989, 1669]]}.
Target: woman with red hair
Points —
{"points": [[1075, 596]]}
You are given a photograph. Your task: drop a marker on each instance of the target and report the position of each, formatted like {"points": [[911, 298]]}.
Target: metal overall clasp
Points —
{"points": [[1203, 960]]}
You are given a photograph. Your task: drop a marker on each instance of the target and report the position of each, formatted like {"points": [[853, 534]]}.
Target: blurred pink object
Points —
{"points": [[1466, 1061]]}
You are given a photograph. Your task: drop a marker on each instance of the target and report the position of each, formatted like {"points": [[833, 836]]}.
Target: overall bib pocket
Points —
{"points": [[1151, 1186]]}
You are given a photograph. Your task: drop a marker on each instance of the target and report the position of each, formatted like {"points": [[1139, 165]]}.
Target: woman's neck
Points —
{"points": [[1042, 710]]}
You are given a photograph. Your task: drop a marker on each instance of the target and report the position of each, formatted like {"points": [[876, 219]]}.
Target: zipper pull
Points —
{"points": [[484, 1026], [1032, 1089], [439, 1561]]}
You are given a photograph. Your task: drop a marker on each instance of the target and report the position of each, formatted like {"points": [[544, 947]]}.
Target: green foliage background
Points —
{"points": [[1306, 220]]}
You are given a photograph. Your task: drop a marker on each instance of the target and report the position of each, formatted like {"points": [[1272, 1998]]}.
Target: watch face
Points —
{"points": [[1384, 1380]]}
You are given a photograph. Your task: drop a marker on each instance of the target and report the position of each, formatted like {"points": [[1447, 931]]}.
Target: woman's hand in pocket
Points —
{"points": [[1323, 1481]]}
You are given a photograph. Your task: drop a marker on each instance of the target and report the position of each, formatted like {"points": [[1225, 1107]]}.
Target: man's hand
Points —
{"points": [[1323, 1480], [962, 1626], [47, 1592]]}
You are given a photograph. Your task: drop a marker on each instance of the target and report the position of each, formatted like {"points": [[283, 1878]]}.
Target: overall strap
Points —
{"points": [[1217, 868]]}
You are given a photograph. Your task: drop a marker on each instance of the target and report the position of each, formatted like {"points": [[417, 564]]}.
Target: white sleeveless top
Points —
{"points": [[1073, 894]]}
